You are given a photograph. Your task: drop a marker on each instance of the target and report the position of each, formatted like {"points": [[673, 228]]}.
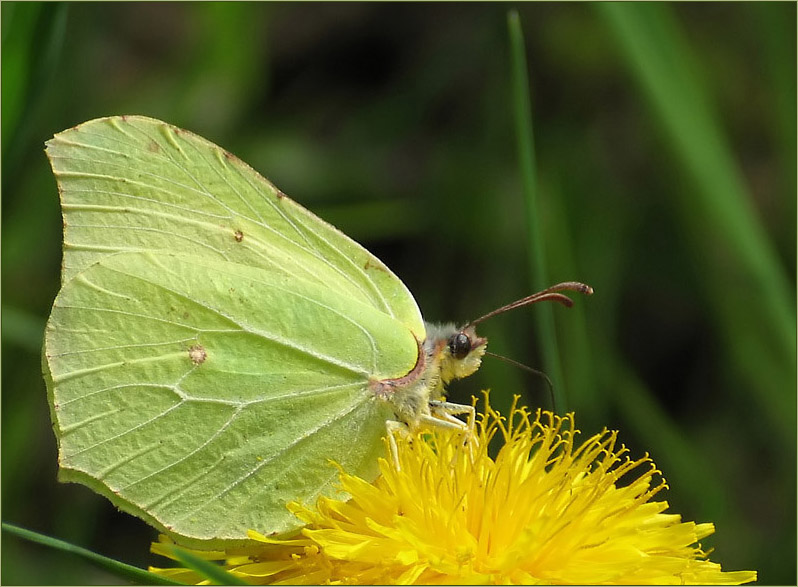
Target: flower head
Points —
{"points": [[546, 509]]}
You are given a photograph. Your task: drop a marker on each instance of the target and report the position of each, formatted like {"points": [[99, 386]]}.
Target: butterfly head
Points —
{"points": [[459, 350], [463, 356]]}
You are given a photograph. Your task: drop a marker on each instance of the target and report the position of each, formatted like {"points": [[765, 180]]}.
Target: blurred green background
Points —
{"points": [[665, 139]]}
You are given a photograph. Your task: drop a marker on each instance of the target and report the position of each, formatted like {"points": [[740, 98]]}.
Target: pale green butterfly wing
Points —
{"points": [[203, 392], [134, 183], [203, 395]]}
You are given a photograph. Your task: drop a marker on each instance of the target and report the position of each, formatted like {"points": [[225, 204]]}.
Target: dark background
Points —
{"points": [[671, 190]]}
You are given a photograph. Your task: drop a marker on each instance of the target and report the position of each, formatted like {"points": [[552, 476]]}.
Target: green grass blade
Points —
{"points": [[672, 448], [207, 569], [573, 332], [17, 59], [115, 567], [28, 68], [522, 110], [21, 328], [746, 288]]}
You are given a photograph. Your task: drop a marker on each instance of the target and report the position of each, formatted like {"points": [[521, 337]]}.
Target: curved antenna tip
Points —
{"points": [[550, 294]]}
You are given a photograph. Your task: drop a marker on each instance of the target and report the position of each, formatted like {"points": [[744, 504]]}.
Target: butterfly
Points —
{"points": [[214, 345]]}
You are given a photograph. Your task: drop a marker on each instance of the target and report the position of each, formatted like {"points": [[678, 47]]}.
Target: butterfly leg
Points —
{"points": [[442, 421], [445, 411], [441, 416], [392, 426]]}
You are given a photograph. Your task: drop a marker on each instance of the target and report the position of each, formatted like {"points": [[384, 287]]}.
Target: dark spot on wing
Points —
{"points": [[197, 354], [369, 265], [239, 236]]}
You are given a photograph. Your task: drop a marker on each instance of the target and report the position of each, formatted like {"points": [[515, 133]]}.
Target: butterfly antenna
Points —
{"points": [[550, 294], [541, 374]]}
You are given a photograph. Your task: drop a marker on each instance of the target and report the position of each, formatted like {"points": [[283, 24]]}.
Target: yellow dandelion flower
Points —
{"points": [[547, 509]]}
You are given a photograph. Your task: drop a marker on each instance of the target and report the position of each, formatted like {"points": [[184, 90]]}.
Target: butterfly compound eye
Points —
{"points": [[459, 345]]}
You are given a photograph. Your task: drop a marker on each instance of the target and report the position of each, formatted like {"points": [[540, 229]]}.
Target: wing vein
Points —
{"points": [[125, 433], [264, 462]]}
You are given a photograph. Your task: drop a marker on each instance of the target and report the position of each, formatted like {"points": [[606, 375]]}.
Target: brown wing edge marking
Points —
{"points": [[385, 388]]}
